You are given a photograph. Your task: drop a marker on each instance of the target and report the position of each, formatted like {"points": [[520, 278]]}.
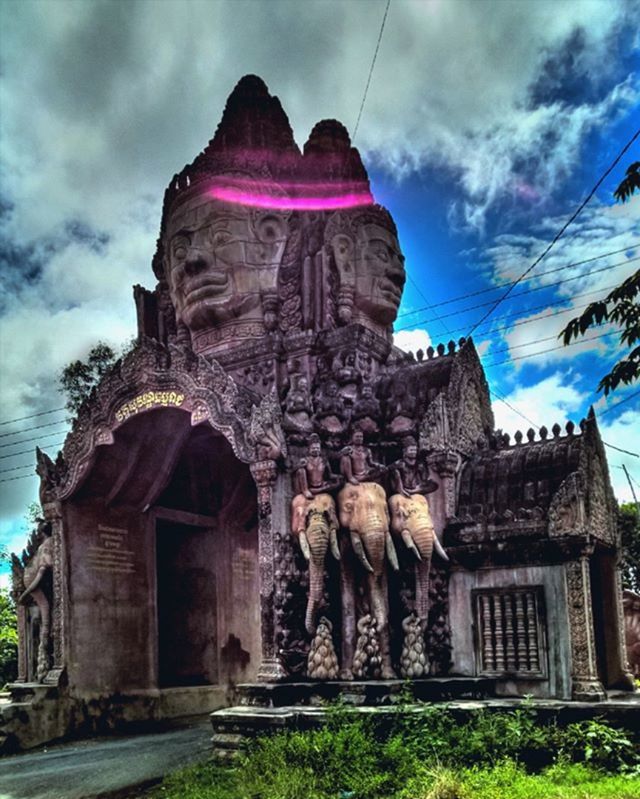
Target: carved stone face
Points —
{"points": [[380, 274], [314, 449], [221, 260], [410, 453]]}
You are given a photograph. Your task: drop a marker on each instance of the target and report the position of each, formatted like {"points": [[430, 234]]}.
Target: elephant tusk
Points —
{"points": [[439, 548], [304, 546], [411, 545], [333, 541], [391, 552], [359, 550]]}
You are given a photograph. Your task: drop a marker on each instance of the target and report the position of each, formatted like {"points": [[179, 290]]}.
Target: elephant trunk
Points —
{"points": [[374, 540], [424, 541], [318, 538]]}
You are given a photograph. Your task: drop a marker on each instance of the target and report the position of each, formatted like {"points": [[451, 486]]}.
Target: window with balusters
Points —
{"points": [[510, 632]]}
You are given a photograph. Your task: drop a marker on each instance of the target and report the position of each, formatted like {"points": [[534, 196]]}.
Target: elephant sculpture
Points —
{"points": [[363, 511], [33, 575], [315, 524], [411, 520]]}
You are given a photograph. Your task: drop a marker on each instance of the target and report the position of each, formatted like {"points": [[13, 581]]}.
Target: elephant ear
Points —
{"points": [[398, 514], [299, 508], [346, 505]]}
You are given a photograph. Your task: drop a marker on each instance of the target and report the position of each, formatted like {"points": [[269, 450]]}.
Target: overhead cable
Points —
{"points": [[559, 234]]}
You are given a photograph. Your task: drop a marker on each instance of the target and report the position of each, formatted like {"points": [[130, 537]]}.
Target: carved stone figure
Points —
{"points": [[357, 464], [221, 263], [366, 411], [314, 523], [33, 577], [411, 520], [298, 410], [363, 511], [409, 475], [322, 662], [367, 661], [265, 430], [50, 475], [330, 412], [413, 660], [313, 475], [401, 409]]}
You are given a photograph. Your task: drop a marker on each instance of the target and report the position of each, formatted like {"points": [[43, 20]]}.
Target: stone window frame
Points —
{"points": [[531, 647]]}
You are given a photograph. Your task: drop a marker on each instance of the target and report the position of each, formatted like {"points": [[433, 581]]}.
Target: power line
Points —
{"points": [[620, 402], [509, 405], [549, 338], [28, 451], [17, 468], [559, 233], [626, 451], [34, 438], [9, 479], [509, 315], [32, 416], [34, 427], [550, 349], [373, 63], [528, 291]]}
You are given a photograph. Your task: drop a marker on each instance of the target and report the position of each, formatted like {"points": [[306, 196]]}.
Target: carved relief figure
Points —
{"points": [[314, 523], [410, 475], [411, 520], [366, 411], [313, 475], [357, 464], [370, 266], [363, 511], [297, 414], [221, 264], [330, 412], [379, 262], [33, 578]]}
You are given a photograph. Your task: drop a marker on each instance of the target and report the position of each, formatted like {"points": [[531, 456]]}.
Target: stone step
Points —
{"points": [[368, 693]]}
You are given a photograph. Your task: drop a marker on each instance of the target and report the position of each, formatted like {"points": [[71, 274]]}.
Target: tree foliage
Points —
{"points": [[630, 184], [8, 633], [79, 378], [620, 307], [629, 527]]}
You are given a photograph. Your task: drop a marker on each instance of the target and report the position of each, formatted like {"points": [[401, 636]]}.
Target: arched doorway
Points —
{"points": [[163, 561]]}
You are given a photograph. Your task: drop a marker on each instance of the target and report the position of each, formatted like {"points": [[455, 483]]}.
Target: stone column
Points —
{"points": [[264, 473], [586, 686], [53, 514], [626, 677], [446, 465]]}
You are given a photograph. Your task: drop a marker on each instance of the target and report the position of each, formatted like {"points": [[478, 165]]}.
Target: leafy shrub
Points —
{"points": [[598, 744], [426, 753]]}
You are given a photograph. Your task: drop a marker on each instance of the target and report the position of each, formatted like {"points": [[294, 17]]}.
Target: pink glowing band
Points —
{"points": [[259, 200]]}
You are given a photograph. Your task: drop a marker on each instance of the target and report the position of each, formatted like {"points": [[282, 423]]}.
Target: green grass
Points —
{"points": [[430, 755]]}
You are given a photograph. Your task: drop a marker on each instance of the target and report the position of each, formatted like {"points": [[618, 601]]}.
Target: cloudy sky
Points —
{"points": [[485, 126]]}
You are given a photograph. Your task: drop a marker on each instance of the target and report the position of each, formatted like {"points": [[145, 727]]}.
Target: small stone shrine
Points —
{"points": [[265, 491]]}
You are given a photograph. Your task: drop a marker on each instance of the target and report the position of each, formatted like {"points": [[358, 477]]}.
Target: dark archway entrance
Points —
{"points": [[187, 605], [163, 545]]}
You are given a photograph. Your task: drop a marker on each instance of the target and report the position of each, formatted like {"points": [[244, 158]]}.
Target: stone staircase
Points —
{"points": [[274, 707]]}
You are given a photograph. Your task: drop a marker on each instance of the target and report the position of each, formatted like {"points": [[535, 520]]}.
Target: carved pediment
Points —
{"points": [[153, 376]]}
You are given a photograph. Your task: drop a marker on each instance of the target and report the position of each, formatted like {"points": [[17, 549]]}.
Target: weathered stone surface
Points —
{"points": [[264, 381]]}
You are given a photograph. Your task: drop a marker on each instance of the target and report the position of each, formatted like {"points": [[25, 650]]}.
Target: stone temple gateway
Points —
{"points": [[266, 493]]}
